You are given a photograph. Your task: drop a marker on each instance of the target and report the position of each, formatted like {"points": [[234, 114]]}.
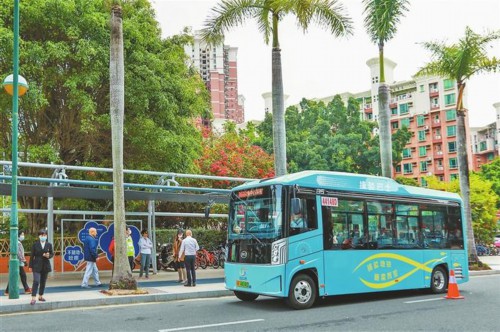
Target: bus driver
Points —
{"points": [[297, 221]]}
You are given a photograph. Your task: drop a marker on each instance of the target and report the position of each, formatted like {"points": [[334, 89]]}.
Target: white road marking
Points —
{"points": [[436, 299], [212, 325]]}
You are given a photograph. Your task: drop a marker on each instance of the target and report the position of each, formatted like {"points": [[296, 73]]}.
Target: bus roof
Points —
{"points": [[360, 183]]}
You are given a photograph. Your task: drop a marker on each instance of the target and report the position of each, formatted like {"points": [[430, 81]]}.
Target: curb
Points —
{"points": [[483, 272], [112, 300]]}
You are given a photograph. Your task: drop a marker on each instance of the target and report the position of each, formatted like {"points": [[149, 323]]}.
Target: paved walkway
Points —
{"points": [[64, 291]]}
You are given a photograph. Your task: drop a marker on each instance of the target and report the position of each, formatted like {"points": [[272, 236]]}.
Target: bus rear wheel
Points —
{"points": [[439, 280], [244, 296], [302, 293]]}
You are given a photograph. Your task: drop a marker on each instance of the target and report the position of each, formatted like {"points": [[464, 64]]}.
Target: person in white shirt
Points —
{"points": [[189, 247], [145, 246]]}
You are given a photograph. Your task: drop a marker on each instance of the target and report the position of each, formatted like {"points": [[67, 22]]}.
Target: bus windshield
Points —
{"points": [[256, 213]]}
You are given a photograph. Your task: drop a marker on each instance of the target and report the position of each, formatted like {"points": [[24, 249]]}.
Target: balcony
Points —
{"points": [[438, 155], [437, 139], [393, 103], [434, 107], [368, 108], [439, 170], [436, 123], [433, 92]]}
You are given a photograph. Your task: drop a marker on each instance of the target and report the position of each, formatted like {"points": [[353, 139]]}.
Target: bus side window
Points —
{"points": [[306, 221]]}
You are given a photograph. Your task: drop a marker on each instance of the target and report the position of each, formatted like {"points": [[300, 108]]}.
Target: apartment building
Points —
{"points": [[486, 141], [218, 69], [426, 105]]}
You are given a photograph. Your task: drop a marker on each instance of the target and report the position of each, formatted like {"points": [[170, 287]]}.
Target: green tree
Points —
{"points": [[268, 14], [65, 116], [460, 61], [382, 18], [491, 172], [483, 204], [329, 137]]}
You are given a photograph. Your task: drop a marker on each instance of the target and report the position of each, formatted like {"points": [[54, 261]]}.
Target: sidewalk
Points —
{"points": [[64, 291]]}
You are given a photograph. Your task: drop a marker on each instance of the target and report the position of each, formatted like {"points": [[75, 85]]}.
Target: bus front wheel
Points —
{"points": [[244, 296], [439, 281], [302, 293]]}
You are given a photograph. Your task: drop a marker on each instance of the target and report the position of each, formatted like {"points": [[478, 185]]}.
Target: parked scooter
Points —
{"points": [[165, 257]]}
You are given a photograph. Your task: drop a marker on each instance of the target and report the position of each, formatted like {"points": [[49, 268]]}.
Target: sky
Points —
{"points": [[316, 64]]}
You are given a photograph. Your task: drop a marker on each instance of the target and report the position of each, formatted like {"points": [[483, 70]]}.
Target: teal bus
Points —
{"points": [[315, 233]]}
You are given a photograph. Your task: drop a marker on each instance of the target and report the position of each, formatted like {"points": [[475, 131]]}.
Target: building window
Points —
{"points": [[453, 177], [423, 166], [422, 151], [424, 182], [406, 153], [452, 146], [420, 120], [482, 146], [449, 99], [434, 102], [451, 131], [451, 115], [394, 125], [398, 169], [407, 168], [405, 122], [394, 111], [403, 109], [421, 135], [448, 84], [422, 88], [453, 163]]}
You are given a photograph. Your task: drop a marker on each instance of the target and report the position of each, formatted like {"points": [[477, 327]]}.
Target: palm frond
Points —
{"points": [[382, 18], [330, 14], [225, 15]]}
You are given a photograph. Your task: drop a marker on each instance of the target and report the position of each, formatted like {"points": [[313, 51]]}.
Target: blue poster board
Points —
{"points": [[84, 232], [73, 255], [107, 236]]}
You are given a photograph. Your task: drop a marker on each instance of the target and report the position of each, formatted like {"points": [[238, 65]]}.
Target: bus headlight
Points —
{"points": [[279, 252]]}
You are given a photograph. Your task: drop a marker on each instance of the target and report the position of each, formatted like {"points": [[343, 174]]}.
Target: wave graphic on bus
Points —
{"points": [[385, 261]]}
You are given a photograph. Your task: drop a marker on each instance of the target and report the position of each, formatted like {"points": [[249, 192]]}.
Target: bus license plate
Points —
{"points": [[242, 284]]}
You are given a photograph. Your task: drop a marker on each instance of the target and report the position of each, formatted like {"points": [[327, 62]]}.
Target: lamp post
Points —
{"points": [[16, 86]]}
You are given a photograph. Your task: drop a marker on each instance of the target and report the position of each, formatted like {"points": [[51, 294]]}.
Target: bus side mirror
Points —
{"points": [[296, 206]]}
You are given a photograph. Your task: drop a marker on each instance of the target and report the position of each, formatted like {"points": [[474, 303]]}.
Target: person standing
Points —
{"points": [[41, 253], [179, 261], [145, 246], [22, 264], [189, 247], [130, 248], [90, 257]]}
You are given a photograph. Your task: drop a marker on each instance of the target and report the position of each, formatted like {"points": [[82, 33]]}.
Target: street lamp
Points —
{"points": [[16, 86]]}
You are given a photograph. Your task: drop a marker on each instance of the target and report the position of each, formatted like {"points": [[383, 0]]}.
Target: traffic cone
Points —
{"points": [[453, 293]]}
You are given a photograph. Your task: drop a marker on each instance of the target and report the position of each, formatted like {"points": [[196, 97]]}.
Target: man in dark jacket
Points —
{"points": [[90, 256]]}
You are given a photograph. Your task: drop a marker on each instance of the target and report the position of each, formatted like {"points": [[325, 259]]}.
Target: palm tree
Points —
{"points": [[381, 23], [459, 62], [122, 275], [268, 14]]}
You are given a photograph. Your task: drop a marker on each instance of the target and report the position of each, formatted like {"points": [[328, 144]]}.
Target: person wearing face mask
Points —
{"points": [[130, 248], [22, 264], [41, 253], [179, 261]]}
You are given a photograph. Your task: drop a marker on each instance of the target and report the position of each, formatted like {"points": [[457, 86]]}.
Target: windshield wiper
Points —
{"points": [[253, 235]]}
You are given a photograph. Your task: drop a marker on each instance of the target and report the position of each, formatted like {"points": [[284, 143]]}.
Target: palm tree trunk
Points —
{"points": [[463, 170], [384, 120], [279, 129], [122, 275]]}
